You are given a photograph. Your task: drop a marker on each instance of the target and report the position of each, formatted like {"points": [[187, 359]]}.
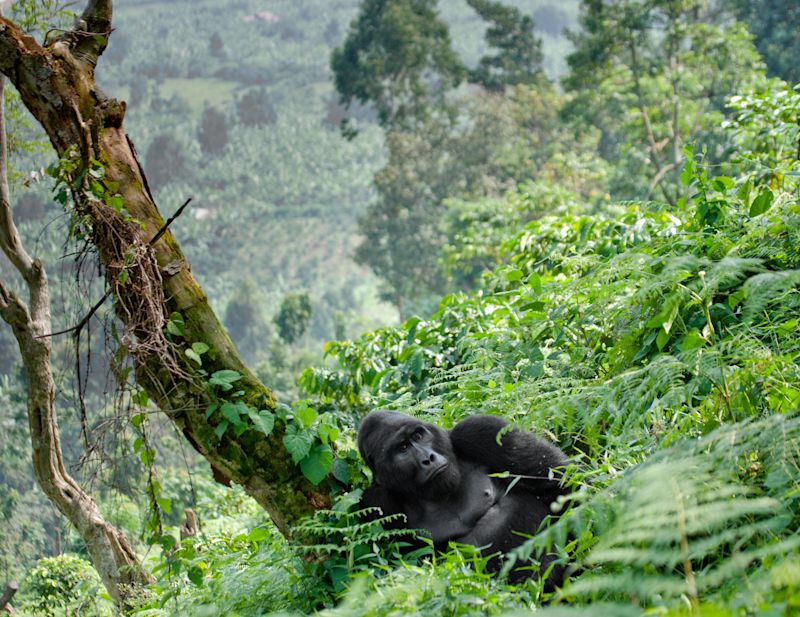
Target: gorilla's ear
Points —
{"points": [[376, 477], [370, 461]]}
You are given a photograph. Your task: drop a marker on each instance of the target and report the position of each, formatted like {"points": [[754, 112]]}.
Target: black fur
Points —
{"points": [[440, 480]]}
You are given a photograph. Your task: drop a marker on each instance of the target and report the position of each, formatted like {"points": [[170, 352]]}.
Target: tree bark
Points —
{"points": [[56, 83], [112, 555], [8, 595]]}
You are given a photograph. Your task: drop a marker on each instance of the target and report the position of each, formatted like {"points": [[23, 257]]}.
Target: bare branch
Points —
{"points": [[82, 323], [171, 220], [9, 237], [659, 177], [8, 594], [77, 328]]}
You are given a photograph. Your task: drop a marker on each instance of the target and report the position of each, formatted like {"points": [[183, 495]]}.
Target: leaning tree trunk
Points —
{"points": [[145, 269]]}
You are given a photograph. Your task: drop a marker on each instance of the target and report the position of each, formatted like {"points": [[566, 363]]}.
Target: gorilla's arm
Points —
{"points": [[377, 496], [519, 453]]}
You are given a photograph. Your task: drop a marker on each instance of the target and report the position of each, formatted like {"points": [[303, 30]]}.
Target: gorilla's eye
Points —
{"points": [[403, 446], [417, 435]]}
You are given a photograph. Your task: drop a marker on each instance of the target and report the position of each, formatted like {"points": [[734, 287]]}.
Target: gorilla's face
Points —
{"points": [[409, 456]]}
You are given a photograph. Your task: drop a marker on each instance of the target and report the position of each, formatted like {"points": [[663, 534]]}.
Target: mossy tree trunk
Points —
{"points": [[150, 280]]}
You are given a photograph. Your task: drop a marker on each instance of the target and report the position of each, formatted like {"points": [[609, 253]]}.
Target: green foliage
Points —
{"points": [[308, 436], [695, 522], [774, 26], [657, 344], [88, 181], [230, 411], [476, 231], [652, 77], [397, 57], [457, 585], [213, 131], [518, 53], [347, 543], [63, 585], [309, 439], [494, 142], [239, 565], [37, 16], [765, 130], [292, 318]]}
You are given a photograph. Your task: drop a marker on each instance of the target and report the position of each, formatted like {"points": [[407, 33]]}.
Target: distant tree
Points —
{"points": [[293, 315], [776, 27], [496, 141], [215, 45], [651, 77], [518, 52], [118, 47], [550, 19], [397, 56], [332, 32], [29, 207], [165, 160], [213, 131], [137, 94], [255, 108], [291, 32], [244, 320]]}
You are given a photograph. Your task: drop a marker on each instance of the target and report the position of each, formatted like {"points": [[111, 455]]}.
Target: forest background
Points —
{"points": [[580, 215]]}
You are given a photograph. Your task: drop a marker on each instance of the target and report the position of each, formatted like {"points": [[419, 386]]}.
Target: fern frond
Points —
{"points": [[763, 289], [695, 519]]}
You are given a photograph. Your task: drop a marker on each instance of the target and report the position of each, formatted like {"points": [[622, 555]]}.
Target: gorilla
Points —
{"points": [[440, 480]]}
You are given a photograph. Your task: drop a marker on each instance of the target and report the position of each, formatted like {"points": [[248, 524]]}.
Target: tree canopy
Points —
{"points": [[397, 56]]}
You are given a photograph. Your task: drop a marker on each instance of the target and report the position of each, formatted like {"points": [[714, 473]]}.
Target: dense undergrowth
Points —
{"points": [[657, 345]]}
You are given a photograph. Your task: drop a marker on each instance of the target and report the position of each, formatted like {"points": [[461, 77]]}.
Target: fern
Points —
{"points": [[344, 532], [770, 288], [695, 522], [351, 541]]}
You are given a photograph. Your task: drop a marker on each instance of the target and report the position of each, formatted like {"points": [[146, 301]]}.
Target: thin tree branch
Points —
{"points": [[169, 222], [9, 236], [658, 177], [84, 320], [82, 323]]}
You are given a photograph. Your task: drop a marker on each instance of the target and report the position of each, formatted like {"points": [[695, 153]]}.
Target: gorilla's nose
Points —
{"points": [[431, 458]]}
